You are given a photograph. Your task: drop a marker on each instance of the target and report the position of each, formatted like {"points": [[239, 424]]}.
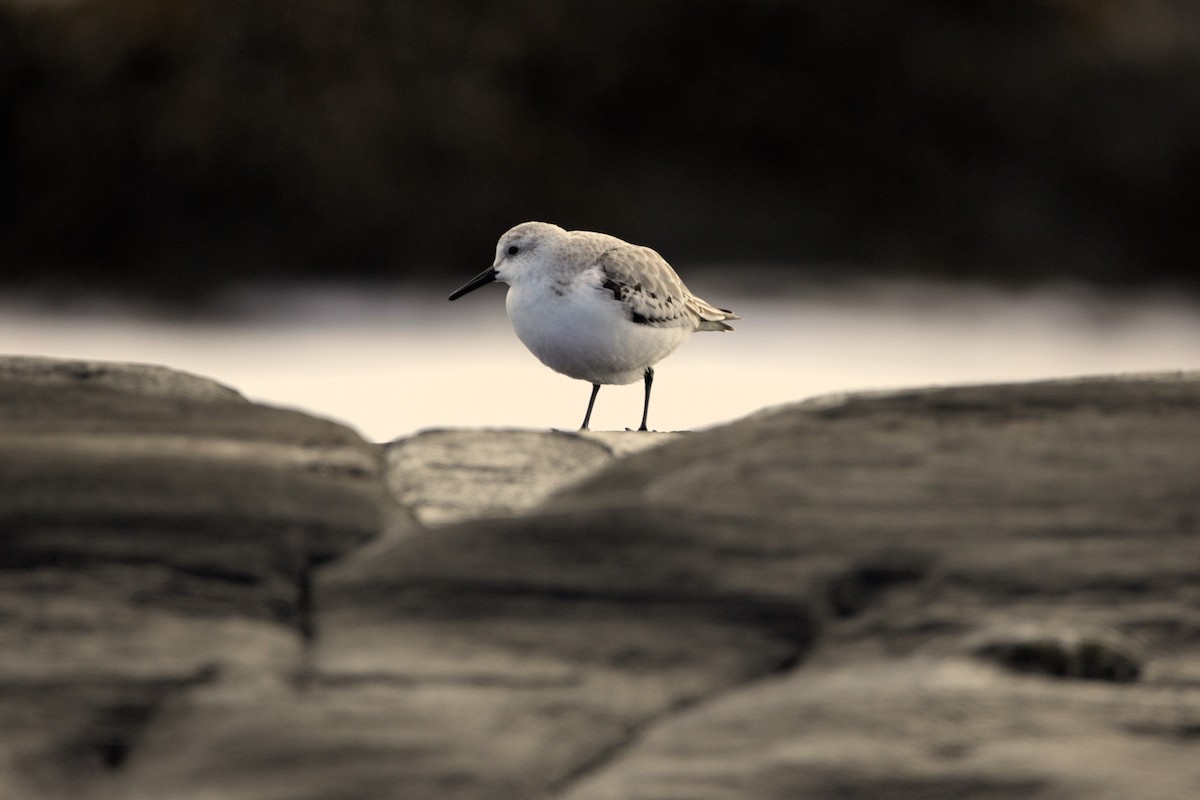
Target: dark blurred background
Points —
{"points": [[168, 147]]}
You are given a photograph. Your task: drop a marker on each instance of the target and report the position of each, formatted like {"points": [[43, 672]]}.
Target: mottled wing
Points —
{"points": [[641, 280]]}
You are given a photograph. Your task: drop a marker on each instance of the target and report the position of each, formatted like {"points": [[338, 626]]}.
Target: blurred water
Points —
{"points": [[395, 360]]}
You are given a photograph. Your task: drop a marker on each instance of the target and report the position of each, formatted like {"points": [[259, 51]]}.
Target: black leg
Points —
{"points": [[649, 378], [592, 402]]}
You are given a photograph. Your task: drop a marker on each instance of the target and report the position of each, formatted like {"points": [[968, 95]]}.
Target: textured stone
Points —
{"points": [[972, 592], [144, 379], [157, 532], [1074, 653], [1050, 527], [449, 476], [915, 728]]}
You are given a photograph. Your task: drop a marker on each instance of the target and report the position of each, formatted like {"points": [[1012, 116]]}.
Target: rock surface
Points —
{"points": [[449, 476], [974, 592], [146, 379], [158, 534]]}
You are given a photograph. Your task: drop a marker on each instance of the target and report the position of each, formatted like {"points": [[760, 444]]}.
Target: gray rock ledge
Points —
{"points": [[448, 476], [970, 592]]}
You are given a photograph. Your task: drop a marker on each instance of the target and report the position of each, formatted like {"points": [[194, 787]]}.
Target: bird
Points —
{"points": [[594, 307]]}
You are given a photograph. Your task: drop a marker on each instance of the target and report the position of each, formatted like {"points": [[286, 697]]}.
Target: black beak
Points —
{"points": [[487, 276]]}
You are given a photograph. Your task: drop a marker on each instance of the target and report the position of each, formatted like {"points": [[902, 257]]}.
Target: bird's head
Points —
{"points": [[520, 251]]}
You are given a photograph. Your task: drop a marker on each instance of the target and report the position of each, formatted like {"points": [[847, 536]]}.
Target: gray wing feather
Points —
{"points": [[652, 293]]}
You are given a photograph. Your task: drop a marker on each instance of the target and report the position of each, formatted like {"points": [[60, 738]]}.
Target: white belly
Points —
{"points": [[587, 336]]}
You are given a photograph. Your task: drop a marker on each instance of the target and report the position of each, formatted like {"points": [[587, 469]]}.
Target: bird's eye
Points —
{"points": [[513, 250]]}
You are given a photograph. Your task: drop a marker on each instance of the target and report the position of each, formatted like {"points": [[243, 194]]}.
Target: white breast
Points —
{"points": [[583, 332]]}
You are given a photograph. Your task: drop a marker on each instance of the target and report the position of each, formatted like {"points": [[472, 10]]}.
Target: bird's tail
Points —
{"points": [[711, 317]]}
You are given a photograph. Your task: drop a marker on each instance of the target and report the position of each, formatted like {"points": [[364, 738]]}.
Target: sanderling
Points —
{"points": [[593, 307]]}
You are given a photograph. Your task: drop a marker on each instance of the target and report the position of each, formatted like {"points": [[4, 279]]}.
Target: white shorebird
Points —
{"points": [[593, 307]]}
